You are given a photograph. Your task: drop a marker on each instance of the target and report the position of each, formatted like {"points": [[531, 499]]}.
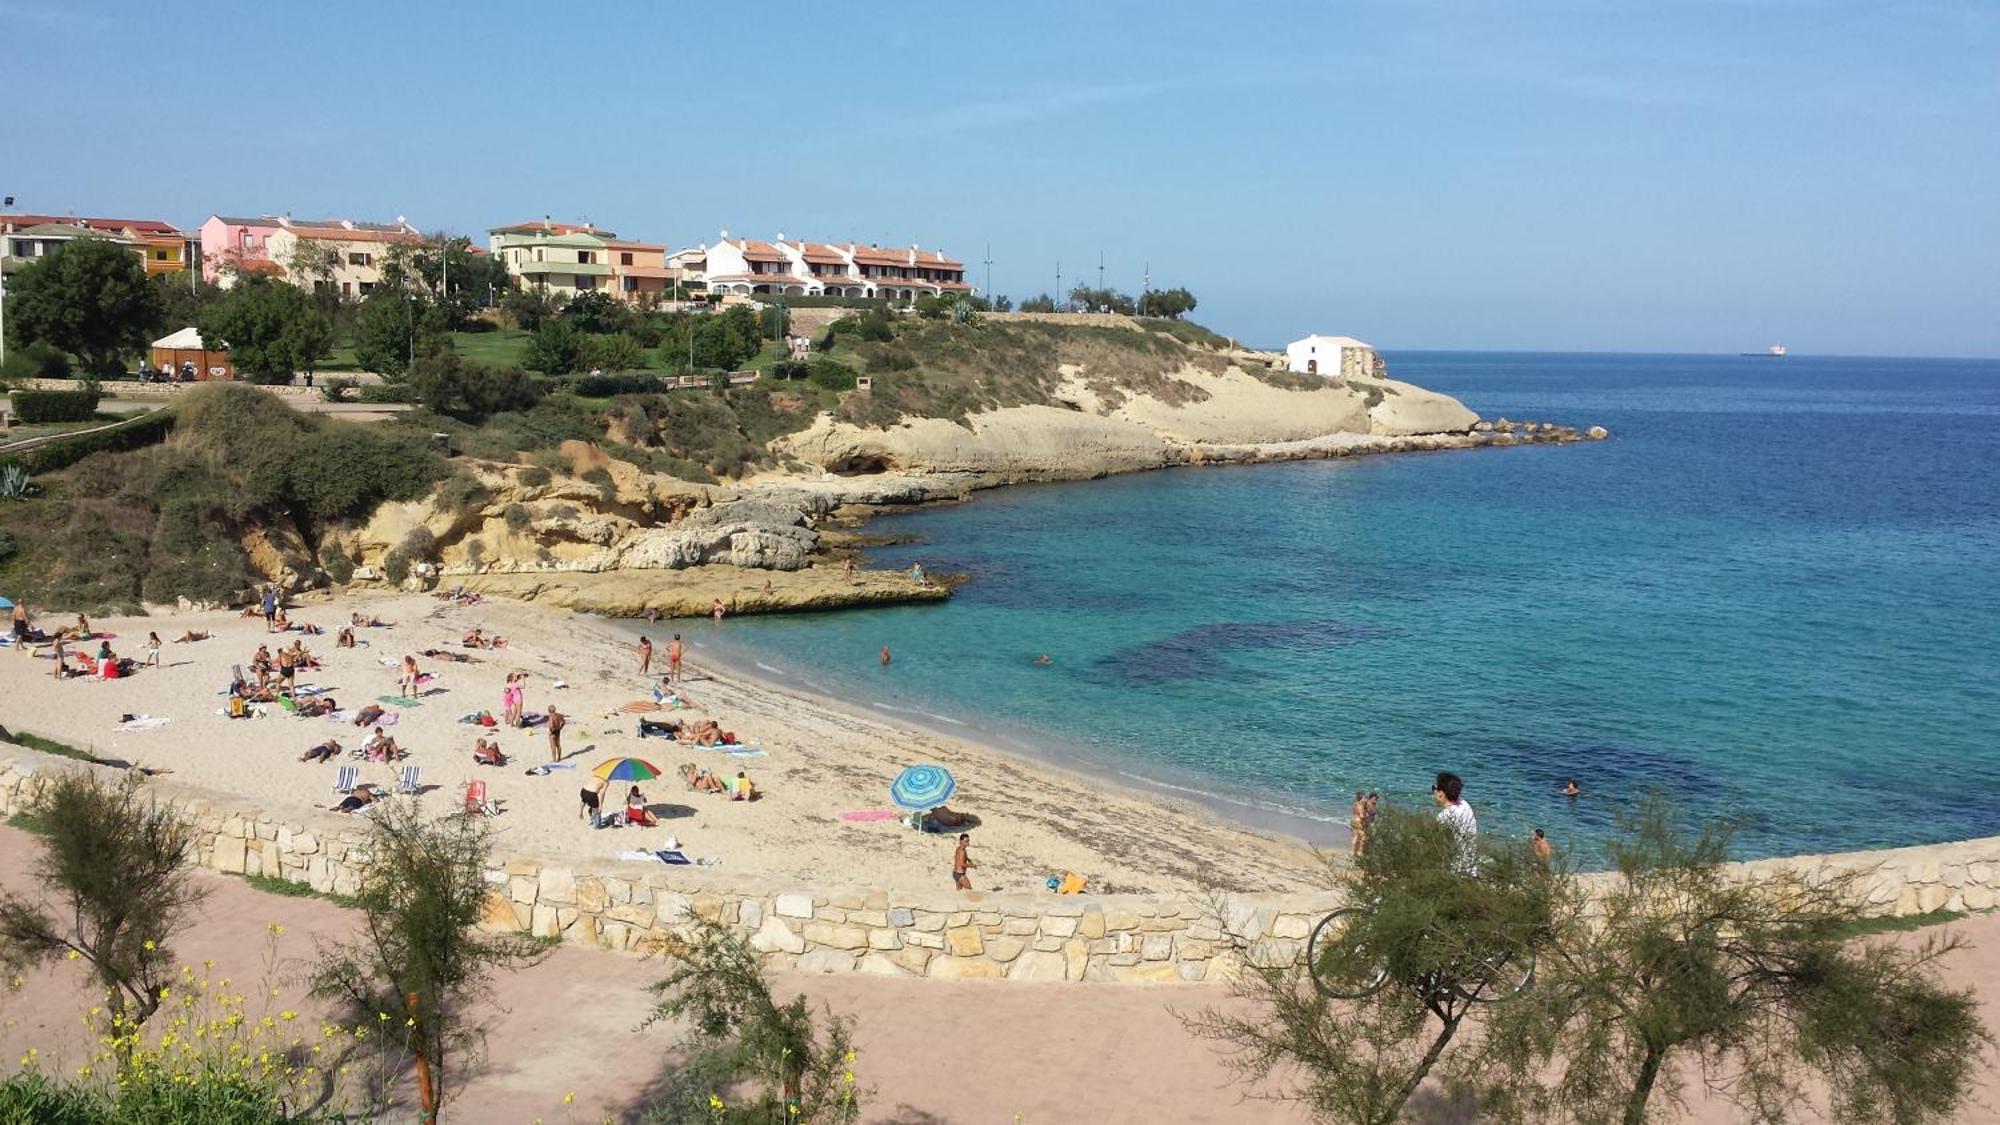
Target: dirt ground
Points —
{"points": [[933, 1051]]}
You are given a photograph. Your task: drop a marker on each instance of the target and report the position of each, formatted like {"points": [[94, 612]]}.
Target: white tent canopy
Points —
{"points": [[187, 339]]}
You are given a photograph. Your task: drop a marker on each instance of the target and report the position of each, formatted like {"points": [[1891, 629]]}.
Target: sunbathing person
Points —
{"points": [[345, 638], [281, 621], [944, 817], [741, 789], [370, 715], [700, 780], [487, 753], [190, 637], [311, 630], [653, 728], [705, 732], [324, 752], [636, 811], [315, 706], [366, 621], [380, 747], [447, 654], [359, 799]]}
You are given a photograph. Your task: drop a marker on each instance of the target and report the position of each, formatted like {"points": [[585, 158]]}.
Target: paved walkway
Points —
{"points": [[934, 1051]]}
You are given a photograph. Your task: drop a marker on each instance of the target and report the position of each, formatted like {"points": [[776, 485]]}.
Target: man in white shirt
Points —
{"points": [[1457, 815]]}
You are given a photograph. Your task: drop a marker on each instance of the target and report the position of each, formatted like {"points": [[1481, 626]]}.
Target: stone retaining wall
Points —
{"points": [[1037, 937]]}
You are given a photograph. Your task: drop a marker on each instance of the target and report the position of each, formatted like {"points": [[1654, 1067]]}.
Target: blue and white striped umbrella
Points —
{"points": [[922, 787]]}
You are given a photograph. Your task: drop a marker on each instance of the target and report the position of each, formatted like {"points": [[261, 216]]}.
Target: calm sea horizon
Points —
{"points": [[1771, 594]]}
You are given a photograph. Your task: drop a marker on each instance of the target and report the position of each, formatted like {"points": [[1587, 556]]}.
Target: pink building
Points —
{"points": [[240, 245]]}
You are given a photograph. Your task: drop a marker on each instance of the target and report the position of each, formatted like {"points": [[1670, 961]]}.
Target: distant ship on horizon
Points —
{"points": [[1775, 351]]}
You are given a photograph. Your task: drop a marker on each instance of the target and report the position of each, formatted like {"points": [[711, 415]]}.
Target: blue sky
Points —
{"points": [[1588, 175]]}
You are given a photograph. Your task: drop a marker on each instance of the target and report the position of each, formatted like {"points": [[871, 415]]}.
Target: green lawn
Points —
{"points": [[505, 347]]}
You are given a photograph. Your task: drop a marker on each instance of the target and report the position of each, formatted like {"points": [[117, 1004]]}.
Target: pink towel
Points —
{"points": [[868, 814]]}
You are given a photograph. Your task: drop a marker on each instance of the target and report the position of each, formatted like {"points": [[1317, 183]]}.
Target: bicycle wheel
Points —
{"points": [[1341, 967], [1496, 977]]}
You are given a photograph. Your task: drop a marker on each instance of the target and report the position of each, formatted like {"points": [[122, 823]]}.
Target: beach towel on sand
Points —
{"points": [[143, 722], [398, 700], [859, 815], [664, 855], [639, 707], [546, 768]]}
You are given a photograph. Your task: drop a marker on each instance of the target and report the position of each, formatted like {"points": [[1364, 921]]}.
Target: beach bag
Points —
{"points": [[237, 708]]}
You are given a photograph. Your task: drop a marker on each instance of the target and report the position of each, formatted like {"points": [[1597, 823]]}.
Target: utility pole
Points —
{"points": [[3, 298], [989, 275], [1059, 297], [1145, 284], [1100, 271]]}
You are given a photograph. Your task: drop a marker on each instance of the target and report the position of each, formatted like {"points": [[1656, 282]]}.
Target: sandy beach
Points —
{"points": [[820, 759]]}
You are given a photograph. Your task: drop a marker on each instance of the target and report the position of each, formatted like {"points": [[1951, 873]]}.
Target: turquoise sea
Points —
{"points": [[1775, 592]]}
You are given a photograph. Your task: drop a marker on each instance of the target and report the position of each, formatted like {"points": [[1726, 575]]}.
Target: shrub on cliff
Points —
{"points": [[35, 407]]}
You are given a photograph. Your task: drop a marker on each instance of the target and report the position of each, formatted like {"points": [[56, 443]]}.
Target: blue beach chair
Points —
{"points": [[345, 778], [412, 779]]}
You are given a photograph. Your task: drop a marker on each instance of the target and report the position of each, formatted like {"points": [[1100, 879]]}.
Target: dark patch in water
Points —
{"points": [[1191, 653]]}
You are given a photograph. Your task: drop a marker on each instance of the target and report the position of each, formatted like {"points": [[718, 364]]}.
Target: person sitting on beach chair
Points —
{"points": [[324, 752], [700, 780], [487, 753]]}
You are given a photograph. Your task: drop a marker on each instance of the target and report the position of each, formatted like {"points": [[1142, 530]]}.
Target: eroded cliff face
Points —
{"points": [[1091, 434]]}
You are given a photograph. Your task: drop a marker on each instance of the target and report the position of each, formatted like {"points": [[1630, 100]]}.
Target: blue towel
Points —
{"points": [[674, 857]]}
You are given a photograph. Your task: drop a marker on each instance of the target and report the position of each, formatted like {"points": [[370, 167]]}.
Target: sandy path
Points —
{"points": [[1036, 819], [934, 1051]]}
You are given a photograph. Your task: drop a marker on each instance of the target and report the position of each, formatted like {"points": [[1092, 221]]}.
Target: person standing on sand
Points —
{"points": [[408, 683], [152, 650], [847, 569], [1357, 824], [1455, 813], [21, 626], [959, 862], [270, 605], [59, 657], [592, 797], [645, 655], [556, 722], [1539, 848], [676, 651]]}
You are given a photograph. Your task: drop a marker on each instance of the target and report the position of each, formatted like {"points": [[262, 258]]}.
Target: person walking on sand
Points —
{"points": [[959, 862], [408, 683], [676, 651], [556, 722], [152, 650], [645, 655], [270, 606], [1543, 854]]}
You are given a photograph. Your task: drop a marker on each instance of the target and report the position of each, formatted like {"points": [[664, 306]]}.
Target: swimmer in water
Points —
{"points": [[1572, 790], [885, 656], [1044, 660]]}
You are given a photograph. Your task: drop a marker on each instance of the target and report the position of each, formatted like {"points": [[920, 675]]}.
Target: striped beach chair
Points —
{"points": [[412, 779], [345, 778]]}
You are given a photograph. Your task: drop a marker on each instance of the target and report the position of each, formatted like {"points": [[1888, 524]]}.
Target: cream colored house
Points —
{"points": [[355, 253]]}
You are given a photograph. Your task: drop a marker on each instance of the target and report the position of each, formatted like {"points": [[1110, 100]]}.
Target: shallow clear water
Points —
{"points": [[1775, 592]]}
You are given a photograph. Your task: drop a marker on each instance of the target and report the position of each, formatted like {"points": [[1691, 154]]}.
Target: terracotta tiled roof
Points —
{"points": [[136, 226], [621, 244], [553, 228], [342, 234], [820, 254]]}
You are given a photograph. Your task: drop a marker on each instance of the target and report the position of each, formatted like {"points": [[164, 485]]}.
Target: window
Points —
{"points": [[625, 259], [356, 258], [631, 283], [367, 287], [159, 255], [584, 258], [585, 281]]}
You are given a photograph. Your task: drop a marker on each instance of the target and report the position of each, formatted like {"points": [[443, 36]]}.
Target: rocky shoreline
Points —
{"points": [[628, 542]]}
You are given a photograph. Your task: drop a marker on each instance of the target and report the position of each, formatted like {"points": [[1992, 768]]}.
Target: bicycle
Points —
{"points": [[1333, 949]]}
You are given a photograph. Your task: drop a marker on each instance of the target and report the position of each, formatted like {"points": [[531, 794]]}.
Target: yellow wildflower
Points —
{"points": [[569, 1098], [72, 955], [276, 928]]}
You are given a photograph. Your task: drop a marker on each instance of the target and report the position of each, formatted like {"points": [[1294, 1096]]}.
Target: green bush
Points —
{"points": [[418, 545], [344, 471], [460, 493], [831, 374], [36, 407], [386, 393], [150, 429], [874, 327], [338, 567], [534, 476], [396, 566], [616, 353], [627, 383], [35, 361], [517, 515]]}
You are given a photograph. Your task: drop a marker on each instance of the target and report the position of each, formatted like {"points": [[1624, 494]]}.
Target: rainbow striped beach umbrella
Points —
{"points": [[922, 787], [626, 769]]}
